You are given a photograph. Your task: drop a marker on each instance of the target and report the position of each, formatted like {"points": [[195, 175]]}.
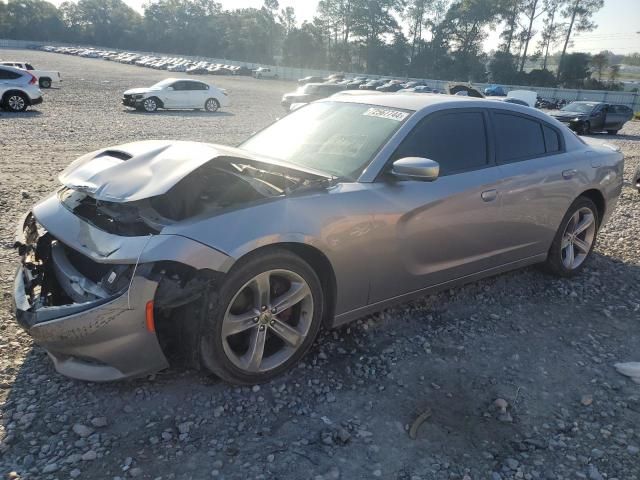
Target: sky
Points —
{"points": [[618, 23]]}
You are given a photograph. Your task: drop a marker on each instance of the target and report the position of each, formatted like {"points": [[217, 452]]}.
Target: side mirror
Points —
{"points": [[169, 88], [416, 168]]}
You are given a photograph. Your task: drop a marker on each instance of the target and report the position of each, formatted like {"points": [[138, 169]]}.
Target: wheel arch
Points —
{"points": [[6, 95], [157, 99], [596, 197], [320, 264]]}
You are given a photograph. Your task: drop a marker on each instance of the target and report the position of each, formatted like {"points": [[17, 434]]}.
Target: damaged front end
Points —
{"points": [[87, 315], [102, 285]]}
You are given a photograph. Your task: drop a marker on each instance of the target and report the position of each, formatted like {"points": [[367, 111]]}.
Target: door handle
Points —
{"points": [[568, 174], [489, 195]]}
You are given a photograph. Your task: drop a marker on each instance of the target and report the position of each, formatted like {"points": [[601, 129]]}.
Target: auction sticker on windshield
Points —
{"points": [[387, 113]]}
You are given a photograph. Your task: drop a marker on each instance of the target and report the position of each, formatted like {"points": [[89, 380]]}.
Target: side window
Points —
{"points": [[551, 139], [457, 141], [200, 86], [517, 138], [8, 75], [178, 86]]}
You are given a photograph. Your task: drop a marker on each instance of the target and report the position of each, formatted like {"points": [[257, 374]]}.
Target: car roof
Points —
{"points": [[420, 101], [13, 69]]}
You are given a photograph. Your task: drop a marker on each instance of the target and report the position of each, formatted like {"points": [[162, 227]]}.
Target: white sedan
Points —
{"points": [[177, 93]]}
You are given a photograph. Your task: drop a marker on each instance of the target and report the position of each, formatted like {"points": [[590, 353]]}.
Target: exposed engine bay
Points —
{"points": [[210, 188]]}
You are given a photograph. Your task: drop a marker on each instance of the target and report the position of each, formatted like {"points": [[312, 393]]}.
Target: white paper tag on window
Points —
{"points": [[388, 113]]}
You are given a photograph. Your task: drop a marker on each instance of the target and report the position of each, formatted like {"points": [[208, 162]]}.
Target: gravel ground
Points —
{"points": [[544, 346]]}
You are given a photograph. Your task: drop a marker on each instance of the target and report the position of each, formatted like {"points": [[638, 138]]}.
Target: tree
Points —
{"points": [[373, 19], [579, 13], [614, 73], [531, 14], [508, 13], [287, 19], [573, 69], [502, 68], [30, 20], [551, 31], [599, 62]]}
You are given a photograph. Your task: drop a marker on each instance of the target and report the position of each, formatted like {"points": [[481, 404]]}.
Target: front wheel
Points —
{"points": [[263, 320], [212, 105], [150, 105], [585, 128], [574, 239]]}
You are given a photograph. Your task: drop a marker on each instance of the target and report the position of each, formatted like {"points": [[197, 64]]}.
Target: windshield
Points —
{"points": [[333, 137], [163, 83], [579, 107]]}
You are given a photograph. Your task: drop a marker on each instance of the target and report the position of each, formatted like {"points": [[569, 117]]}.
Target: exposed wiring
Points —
{"points": [[133, 274]]}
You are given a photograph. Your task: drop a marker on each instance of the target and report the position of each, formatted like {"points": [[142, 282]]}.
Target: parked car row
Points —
{"points": [[171, 64], [46, 78]]}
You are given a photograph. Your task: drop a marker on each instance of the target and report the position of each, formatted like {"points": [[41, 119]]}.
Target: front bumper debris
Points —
{"points": [[90, 317]]}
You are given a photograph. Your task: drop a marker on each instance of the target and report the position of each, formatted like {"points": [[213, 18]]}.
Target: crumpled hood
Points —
{"points": [[133, 91], [139, 170]]}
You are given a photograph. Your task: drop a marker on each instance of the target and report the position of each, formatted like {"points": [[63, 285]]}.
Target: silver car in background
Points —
{"points": [[234, 258]]}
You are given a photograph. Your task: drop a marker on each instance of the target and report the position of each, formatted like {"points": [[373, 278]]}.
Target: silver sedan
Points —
{"points": [[235, 258]]}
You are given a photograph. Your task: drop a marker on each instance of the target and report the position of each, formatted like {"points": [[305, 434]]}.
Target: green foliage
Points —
{"points": [[574, 69], [444, 38]]}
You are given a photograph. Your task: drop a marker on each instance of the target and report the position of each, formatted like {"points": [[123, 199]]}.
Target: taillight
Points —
{"points": [[33, 80]]}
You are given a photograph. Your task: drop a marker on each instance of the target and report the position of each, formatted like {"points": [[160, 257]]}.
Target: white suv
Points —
{"points": [[18, 89], [264, 72], [176, 93]]}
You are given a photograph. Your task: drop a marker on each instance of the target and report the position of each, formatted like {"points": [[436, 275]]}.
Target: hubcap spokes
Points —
{"points": [[275, 318], [578, 238], [16, 102]]}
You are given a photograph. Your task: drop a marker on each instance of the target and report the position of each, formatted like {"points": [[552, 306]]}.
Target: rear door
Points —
{"points": [[539, 181], [198, 94], [616, 116]]}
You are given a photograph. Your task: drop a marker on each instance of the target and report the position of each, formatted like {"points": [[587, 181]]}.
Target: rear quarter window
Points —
{"points": [[517, 137]]}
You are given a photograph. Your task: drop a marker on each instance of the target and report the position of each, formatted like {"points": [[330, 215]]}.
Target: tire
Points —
{"points": [[212, 105], [15, 102], [585, 129], [558, 260], [45, 82], [150, 105], [612, 132], [226, 347]]}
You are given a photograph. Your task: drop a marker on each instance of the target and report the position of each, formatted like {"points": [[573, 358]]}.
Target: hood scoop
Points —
{"points": [[136, 171]]}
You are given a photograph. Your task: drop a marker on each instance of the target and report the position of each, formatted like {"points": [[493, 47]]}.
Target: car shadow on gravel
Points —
{"points": [[25, 114], [181, 113]]}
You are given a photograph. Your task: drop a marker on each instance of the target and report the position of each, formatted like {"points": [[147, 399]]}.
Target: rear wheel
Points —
{"points": [[45, 82], [574, 239], [612, 132], [212, 105], [266, 316], [16, 102]]}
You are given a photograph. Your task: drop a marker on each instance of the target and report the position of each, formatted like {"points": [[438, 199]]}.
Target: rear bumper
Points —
{"points": [[35, 101]]}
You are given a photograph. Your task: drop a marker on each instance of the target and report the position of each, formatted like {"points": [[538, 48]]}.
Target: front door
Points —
{"points": [[432, 232]]}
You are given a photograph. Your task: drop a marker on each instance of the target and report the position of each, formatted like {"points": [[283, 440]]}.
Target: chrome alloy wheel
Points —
{"points": [[267, 320], [150, 105], [577, 238], [211, 105], [16, 103]]}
